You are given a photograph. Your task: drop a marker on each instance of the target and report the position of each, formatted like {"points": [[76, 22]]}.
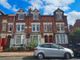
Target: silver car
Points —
{"points": [[52, 50]]}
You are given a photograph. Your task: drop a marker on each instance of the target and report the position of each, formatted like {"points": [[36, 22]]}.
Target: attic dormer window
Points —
{"points": [[35, 14], [20, 16], [59, 15], [35, 17]]}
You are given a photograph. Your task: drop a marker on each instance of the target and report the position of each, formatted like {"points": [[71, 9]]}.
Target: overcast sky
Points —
{"points": [[46, 7]]}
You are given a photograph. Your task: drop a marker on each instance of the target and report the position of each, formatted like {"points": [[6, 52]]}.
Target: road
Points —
{"points": [[31, 58]]}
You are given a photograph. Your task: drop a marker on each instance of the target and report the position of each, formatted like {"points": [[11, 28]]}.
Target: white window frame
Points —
{"points": [[61, 38], [39, 38], [20, 27], [37, 16], [46, 28], [8, 27], [4, 26], [60, 25], [16, 40], [19, 16], [35, 27], [21, 41]]}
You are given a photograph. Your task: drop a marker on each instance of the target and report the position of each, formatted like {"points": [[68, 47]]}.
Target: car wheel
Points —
{"points": [[67, 56], [40, 56]]}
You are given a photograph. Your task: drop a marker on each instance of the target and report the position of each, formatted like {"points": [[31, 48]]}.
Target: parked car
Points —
{"points": [[52, 50]]}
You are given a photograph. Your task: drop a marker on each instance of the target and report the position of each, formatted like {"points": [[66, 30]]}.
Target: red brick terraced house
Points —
{"points": [[22, 28], [73, 28]]}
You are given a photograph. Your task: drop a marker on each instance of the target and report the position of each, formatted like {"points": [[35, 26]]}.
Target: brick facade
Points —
{"points": [[46, 28], [73, 28]]}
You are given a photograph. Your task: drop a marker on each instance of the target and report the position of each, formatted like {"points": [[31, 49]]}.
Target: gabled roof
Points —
{"points": [[20, 10], [77, 23], [36, 10], [58, 10], [2, 12], [30, 9]]}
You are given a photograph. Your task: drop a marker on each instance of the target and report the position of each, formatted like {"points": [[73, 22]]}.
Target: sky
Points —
{"points": [[71, 8]]}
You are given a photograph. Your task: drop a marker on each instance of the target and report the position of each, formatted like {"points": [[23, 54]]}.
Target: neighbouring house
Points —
{"points": [[22, 28], [73, 28], [74, 37]]}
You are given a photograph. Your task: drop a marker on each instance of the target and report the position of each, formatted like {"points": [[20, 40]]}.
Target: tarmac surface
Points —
{"points": [[32, 58]]}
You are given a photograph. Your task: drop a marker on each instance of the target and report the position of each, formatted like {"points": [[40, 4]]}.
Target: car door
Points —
{"points": [[56, 51], [47, 49]]}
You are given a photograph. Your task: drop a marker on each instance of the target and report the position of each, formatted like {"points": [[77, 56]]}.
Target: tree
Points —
{"points": [[77, 36], [74, 37], [33, 44]]}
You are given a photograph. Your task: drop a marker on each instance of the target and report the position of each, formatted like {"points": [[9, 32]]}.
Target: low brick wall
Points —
{"points": [[16, 53], [1, 48]]}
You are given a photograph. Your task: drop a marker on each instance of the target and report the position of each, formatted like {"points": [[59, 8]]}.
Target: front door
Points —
{"points": [[3, 43], [8, 41], [48, 39]]}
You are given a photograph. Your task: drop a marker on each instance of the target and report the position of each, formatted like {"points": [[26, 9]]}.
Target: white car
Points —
{"points": [[52, 50]]}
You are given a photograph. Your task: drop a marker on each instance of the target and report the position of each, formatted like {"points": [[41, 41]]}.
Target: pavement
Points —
{"points": [[11, 54]]}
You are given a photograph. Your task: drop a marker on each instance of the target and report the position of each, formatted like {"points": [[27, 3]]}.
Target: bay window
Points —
{"points": [[61, 38]]}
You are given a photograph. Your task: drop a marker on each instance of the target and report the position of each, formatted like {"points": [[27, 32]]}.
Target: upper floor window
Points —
{"points": [[10, 27], [35, 27], [20, 16], [20, 27], [47, 27], [4, 27], [60, 27]]}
